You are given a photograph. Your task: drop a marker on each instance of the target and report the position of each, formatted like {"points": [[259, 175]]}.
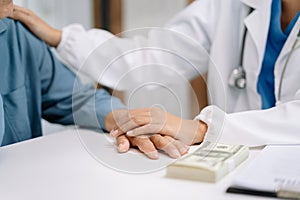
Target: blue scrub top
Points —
{"points": [[35, 85], [275, 43]]}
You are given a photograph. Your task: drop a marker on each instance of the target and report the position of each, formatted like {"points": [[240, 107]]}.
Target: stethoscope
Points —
{"points": [[238, 79]]}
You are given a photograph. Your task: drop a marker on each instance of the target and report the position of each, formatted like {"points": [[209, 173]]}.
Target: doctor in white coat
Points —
{"points": [[256, 104]]}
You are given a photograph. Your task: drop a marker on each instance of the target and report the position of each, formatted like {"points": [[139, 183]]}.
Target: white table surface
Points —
{"points": [[74, 166]]}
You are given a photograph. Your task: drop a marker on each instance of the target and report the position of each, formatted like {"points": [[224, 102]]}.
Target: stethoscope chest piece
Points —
{"points": [[237, 78]]}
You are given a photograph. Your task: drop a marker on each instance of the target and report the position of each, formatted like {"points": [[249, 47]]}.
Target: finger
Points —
{"points": [[119, 126], [136, 119], [140, 112], [122, 122], [20, 13], [22, 9], [120, 130], [146, 146], [134, 124], [144, 130], [164, 144], [114, 133], [123, 144], [183, 148], [124, 116], [128, 126]]}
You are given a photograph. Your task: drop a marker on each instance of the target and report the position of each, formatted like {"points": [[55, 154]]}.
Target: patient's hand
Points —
{"points": [[38, 27], [150, 144]]}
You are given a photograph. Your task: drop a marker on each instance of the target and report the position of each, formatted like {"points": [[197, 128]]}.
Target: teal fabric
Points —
{"points": [[1, 119], [35, 85], [275, 42]]}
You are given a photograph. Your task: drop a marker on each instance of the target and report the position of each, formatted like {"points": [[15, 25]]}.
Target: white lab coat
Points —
{"points": [[235, 116]]}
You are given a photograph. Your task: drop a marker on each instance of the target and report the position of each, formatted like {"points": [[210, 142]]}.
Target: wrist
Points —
{"points": [[55, 38], [172, 126], [109, 122], [192, 132], [188, 131], [201, 131]]}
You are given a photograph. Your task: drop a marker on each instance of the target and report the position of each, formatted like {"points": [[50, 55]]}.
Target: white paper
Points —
{"points": [[276, 167]]}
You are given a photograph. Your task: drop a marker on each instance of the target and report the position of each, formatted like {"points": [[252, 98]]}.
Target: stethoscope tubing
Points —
{"points": [[286, 64]]}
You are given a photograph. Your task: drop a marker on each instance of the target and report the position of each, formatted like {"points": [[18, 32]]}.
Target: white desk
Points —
{"points": [[59, 167]]}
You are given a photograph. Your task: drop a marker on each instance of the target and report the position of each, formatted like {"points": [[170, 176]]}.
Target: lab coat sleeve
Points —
{"points": [[77, 43], [187, 37], [66, 101], [278, 125]]}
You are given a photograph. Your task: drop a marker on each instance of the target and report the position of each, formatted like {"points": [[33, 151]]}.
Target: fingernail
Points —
{"points": [[130, 133], [153, 155], [175, 153], [185, 149], [114, 133], [122, 148]]}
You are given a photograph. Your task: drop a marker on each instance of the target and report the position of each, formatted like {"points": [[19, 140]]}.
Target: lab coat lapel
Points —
{"points": [[252, 3], [288, 45], [281, 64], [258, 23]]}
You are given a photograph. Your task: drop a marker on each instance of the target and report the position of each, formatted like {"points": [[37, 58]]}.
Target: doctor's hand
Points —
{"points": [[37, 26], [156, 121]]}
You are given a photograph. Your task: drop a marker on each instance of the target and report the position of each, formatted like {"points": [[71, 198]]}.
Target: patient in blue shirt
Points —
{"points": [[35, 85]]}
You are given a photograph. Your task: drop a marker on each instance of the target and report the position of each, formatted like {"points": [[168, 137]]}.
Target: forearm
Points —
{"points": [[67, 101], [76, 45], [279, 125], [92, 52], [53, 38]]}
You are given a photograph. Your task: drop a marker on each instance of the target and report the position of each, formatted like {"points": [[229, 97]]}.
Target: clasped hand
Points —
{"points": [[152, 129]]}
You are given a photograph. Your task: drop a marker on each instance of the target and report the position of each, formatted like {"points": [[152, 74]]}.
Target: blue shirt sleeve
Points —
{"points": [[1, 120], [66, 100]]}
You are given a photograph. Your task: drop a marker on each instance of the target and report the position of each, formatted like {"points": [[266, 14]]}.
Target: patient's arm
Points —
{"points": [[39, 27]]}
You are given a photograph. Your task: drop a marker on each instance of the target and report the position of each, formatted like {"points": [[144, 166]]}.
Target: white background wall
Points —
{"points": [[60, 13]]}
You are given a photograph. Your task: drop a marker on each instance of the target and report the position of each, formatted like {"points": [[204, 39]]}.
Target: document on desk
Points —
{"points": [[275, 173]]}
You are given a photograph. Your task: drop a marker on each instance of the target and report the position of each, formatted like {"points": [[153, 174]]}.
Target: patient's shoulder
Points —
{"points": [[19, 30]]}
